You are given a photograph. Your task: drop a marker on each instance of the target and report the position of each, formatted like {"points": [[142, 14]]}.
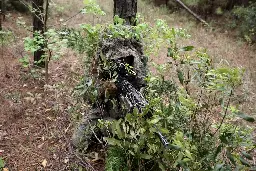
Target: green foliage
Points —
{"points": [[51, 38], [24, 61], [6, 37], [35, 43], [2, 163], [55, 41], [92, 7], [224, 78], [152, 37], [246, 21], [183, 97], [181, 117], [116, 160]]}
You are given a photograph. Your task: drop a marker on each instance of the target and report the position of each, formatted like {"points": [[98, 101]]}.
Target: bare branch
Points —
{"points": [[191, 12]]}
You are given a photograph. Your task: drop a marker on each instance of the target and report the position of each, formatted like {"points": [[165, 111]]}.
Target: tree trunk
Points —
{"points": [[230, 4], [38, 27], [1, 14], [47, 58], [3, 9], [126, 9]]}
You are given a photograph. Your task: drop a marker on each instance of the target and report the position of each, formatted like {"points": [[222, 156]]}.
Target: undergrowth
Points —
{"points": [[246, 21], [190, 101]]}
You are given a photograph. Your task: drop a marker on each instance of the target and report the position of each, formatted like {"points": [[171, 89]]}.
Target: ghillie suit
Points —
{"points": [[118, 73]]}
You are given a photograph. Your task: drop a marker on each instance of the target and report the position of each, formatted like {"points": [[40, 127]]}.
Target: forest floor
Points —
{"points": [[37, 120]]}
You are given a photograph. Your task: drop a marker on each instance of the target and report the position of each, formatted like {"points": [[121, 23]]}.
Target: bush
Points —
{"points": [[185, 118], [194, 125], [246, 21], [243, 13]]}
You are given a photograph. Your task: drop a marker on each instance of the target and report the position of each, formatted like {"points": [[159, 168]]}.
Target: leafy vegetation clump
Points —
{"points": [[190, 101], [246, 21], [116, 160], [185, 117]]}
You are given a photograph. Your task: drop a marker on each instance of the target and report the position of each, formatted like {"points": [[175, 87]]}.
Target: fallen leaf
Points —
{"points": [[47, 110], [5, 169], [2, 134], [55, 156], [49, 118], [40, 146], [66, 160], [44, 163]]}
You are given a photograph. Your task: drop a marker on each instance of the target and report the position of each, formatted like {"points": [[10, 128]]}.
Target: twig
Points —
{"points": [[40, 18], [68, 18], [226, 111], [85, 164], [94, 133]]}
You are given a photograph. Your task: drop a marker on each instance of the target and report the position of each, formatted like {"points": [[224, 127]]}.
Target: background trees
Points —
{"points": [[215, 11], [126, 9]]}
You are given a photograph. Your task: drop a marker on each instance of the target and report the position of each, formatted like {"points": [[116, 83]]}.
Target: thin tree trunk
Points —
{"points": [[126, 9], [38, 27], [230, 4], [3, 9], [1, 16], [48, 57]]}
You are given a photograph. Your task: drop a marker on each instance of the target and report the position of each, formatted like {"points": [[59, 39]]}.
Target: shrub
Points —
{"points": [[246, 21], [193, 125], [185, 118]]}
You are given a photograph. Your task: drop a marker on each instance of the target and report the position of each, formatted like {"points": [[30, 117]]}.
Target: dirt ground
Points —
{"points": [[36, 121]]}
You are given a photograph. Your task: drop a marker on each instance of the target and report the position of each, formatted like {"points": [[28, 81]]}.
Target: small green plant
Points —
{"points": [[24, 61], [2, 163], [91, 7], [116, 160], [6, 37], [55, 45], [14, 96]]}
